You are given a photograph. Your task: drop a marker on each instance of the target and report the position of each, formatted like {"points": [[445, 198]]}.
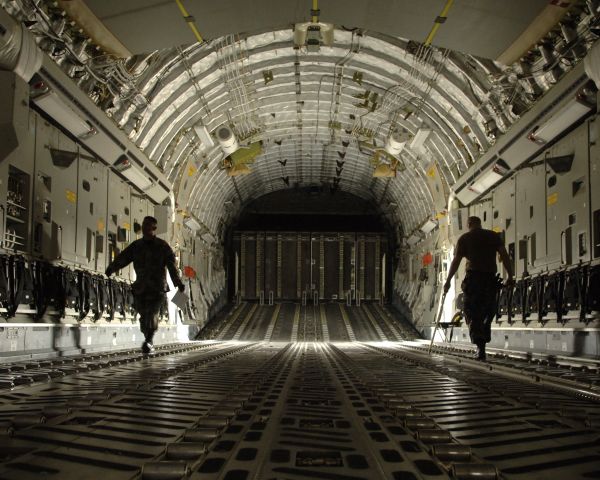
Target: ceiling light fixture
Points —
{"points": [[132, 172], [65, 116], [428, 226], [227, 140], [395, 142], [560, 121], [490, 178]]}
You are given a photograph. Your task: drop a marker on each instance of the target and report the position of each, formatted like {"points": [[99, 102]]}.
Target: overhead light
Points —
{"points": [[467, 195], [227, 140], [132, 172], [485, 182], [157, 193], [559, 122], [192, 224], [313, 35], [501, 167], [413, 240], [420, 137], [394, 144], [204, 136], [208, 237], [428, 226], [64, 115], [490, 178]]}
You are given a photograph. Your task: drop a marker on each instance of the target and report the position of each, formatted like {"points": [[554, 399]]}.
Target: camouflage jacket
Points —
{"points": [[149, 257]]}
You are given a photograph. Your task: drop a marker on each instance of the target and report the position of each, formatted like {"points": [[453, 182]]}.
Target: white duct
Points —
{"points": [[395, 142], [227, 140], [18, 51], [591, 63]]}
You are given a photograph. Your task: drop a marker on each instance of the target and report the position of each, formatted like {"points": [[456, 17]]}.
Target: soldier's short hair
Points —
{"points": [[475, 221], [150, 219]]}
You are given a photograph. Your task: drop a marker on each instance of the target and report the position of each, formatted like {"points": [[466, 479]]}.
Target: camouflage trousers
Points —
{"points": [[480, 304], [148, 305]]}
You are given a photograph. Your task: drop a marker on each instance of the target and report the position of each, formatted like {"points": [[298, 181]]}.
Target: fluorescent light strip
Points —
{"points": [[64, 115], [559, 122]]}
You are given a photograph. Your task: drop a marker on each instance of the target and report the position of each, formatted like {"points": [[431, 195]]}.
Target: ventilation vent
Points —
{"points": [[561, 164], [62, 158]]}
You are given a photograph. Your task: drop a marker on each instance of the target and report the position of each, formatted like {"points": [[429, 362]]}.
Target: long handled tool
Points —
{"points": [[437, 322]]}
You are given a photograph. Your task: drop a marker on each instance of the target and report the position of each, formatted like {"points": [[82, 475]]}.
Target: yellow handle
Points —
{"points": [[437, 24], [315, 7], [189, 21]]}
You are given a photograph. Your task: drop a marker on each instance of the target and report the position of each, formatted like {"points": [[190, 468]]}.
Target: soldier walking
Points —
{"points": [[150, 255], [479, 246]]}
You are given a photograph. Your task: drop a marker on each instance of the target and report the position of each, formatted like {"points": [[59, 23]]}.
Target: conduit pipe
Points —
{"points": [[18, 51], [591, 63]]}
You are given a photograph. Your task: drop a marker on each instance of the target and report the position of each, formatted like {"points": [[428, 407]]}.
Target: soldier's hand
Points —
{"points": [[181, 287]]}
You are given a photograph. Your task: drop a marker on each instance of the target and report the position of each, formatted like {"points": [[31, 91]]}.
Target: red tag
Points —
{"points": [[427, 259], [189, 272]]}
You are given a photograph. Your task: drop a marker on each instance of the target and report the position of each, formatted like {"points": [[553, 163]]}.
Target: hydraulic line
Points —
{"points": [[315, 11], [438, 21], [190, 21]]}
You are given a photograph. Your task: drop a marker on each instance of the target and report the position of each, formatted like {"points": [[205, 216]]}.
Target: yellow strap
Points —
{"points": [[437, 24], [315, 7], [190, 22]]}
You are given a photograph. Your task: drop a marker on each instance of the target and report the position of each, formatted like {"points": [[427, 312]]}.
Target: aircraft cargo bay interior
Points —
{"points": [[299, 239]]}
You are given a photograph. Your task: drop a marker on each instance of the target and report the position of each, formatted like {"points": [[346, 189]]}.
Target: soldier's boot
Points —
{"points": [[480, 355], [147, 347]]}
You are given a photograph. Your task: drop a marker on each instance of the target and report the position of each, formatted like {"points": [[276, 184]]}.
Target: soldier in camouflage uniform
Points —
{"points": [[480, 285], [150, 255]]}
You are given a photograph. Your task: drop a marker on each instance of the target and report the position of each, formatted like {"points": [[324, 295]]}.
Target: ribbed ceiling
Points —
{"points": [[310, 120], [321, 116]]}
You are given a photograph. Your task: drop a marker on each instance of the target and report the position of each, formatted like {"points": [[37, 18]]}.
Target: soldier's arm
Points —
{"points": [[172, 268], [458, 256], [506, 261], [452, 271], [123, 259]]}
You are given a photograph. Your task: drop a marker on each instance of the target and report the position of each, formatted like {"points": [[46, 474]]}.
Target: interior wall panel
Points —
{"points": [[60, 181], [530, 224], [91, 213], [504, 214], [118, 222], [594, 181], [349, 270], [250, 270], [289, 259], [568, 200], [270, 265], [332, 262], [306, 263], [370, 276]]}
